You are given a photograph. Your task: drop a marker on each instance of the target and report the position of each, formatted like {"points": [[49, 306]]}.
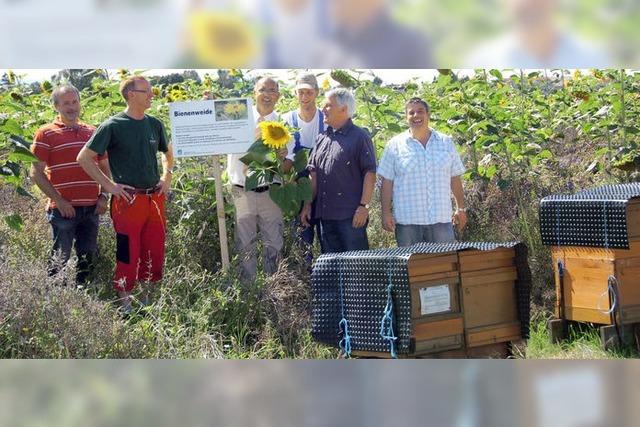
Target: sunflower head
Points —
{"points": [[274, 134], [222, 39]]}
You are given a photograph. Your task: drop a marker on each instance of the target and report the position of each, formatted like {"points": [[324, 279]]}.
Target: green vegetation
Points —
{"points": [[523, 136]]}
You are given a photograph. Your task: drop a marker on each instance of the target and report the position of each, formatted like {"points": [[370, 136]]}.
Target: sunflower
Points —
{"points": [[222, 39], [234, 109], [274, 134]]}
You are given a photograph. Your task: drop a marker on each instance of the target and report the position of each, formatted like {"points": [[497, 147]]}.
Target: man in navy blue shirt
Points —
{"points": [[342, 168]]}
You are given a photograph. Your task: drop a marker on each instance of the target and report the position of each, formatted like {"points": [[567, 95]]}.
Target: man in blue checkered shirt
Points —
{"points": [[420, 169]]}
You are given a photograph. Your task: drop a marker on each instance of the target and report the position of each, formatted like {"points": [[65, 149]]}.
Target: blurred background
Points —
{"points": [[319, 33], [319, 393]]}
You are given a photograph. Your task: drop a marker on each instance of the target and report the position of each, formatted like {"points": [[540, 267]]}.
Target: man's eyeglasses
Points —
{"points": [[268, 91], [140, 90]]}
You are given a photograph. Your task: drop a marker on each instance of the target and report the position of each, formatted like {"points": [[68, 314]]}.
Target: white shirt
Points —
{"points": [[308, 131], [237, 170], [421, 177]]}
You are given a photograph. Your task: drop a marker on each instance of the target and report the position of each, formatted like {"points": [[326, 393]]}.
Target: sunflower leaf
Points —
{"points": [[300, 161], [257, 153], [305, 192]]}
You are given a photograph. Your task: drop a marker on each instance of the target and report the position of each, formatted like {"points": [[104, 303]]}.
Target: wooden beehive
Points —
{"points": [[460, 299], [463, 304], [583, 293]]}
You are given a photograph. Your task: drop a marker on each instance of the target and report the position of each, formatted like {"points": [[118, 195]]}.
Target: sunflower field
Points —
{"points": [[523, 134]]}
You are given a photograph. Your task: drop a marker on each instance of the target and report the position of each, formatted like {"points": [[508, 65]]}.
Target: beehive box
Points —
{"points": [[583, 294], [594, 236], [449, 300]]}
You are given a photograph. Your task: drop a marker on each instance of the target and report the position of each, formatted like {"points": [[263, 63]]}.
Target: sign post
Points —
{"points": [[212, 128]]}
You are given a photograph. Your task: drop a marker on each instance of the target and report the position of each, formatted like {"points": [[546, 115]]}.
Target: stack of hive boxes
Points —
{"points": [[595, 245]]}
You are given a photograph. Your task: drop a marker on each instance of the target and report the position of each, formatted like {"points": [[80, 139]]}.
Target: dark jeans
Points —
{"points": [[340, 236], [410, 234], [84, 230]]}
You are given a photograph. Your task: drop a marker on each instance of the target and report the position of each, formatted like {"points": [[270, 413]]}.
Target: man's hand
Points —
{"points": [[305, 214], [460, 219], [282, 153], [165, 184], [102, 205], [120, 191], [207, 95], [388, 223], [65, 208], [360, 217]]}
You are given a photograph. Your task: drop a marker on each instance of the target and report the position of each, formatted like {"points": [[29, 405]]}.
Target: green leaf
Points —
{"points": [[286, 197], [394, 127], [255, 178], [12, 127], [305, 191], [496, 73], [14, 222], [257, 153], [300, 161], [21, 154]]}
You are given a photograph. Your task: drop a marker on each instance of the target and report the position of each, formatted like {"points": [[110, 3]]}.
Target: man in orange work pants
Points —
{"points": [[132, 140]]}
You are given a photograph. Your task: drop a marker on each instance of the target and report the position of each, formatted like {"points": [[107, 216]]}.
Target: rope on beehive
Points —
{"points": [[345, 342]]}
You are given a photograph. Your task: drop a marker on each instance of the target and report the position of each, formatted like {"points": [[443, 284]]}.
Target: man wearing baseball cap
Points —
{"points": [[308, 121]]}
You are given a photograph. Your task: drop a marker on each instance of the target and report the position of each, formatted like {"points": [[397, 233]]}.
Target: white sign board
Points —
{"points": [[435, 299], [204, 128]]}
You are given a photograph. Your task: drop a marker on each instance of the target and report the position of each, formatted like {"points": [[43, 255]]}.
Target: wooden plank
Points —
{"points": [[429, 278], [584, 252], [474, 260], [438, 344], [627, 271], [454, 297], [436, 329], [489, 304], [489, 351], [488, 264], [557, 330], [585, 283], [449, 354], [373, 354], [630, 313], [421, 266], [484, 277], [489, 335], [581, 314]]}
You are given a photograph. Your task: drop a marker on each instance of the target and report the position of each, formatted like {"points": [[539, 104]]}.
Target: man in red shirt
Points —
{"points": [[75, 200]]}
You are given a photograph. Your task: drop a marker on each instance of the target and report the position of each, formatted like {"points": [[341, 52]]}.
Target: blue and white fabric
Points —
{"points": [[421, 177]]}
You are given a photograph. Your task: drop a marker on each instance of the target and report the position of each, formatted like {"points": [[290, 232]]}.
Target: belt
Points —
{"points": [[146, 191], [261, 189]]}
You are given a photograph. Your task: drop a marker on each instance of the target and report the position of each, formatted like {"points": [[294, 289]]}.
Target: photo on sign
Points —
{"points": [[235, 109]]}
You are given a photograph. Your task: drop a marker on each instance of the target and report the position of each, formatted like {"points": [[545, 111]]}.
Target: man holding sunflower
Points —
{"points": [[255, 210]]}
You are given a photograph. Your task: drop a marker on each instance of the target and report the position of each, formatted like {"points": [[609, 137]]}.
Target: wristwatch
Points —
{"points": [[105, 195], [365, 205], [461, 210]]}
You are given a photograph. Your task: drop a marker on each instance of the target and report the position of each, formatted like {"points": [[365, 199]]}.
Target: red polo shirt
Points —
{"points": [[58, 145]]}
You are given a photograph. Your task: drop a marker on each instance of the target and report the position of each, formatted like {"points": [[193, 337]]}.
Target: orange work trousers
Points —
{"points": [[140, 236]]}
